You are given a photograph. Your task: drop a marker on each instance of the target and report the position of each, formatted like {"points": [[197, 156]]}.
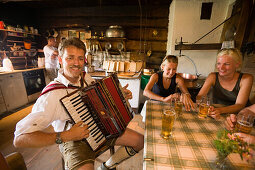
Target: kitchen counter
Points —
{"points": [[18, 71], [125, 75]]}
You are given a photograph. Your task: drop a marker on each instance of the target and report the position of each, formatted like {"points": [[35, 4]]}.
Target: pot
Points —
{"points": [[27, 45], [188, 77], [115, 31]]}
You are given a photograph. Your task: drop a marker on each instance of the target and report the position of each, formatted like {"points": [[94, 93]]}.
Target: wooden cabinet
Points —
{"points": [[21, 58], [2, 103], [13, 90]]}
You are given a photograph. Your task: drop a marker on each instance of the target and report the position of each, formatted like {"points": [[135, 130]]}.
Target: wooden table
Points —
{"points": [[191, 146]]}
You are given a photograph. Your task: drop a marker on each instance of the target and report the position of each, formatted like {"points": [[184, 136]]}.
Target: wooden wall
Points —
{"points": [[139, 23]]}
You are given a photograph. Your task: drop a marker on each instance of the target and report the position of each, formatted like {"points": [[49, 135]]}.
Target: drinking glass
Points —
{"points": [[204, 107], [178, 104], [168, 119], [245, 121]]}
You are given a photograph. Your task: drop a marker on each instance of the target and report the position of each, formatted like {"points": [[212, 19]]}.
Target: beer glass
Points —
{"points": [[168, 119], [245, 120], [204, 107], [178, 104]]}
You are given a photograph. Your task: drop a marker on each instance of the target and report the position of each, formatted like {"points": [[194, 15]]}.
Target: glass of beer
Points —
{"points": [[204, 107], [178, 104], [168, 119], [245, 121]]}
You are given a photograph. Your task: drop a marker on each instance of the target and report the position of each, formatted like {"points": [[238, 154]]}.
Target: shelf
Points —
{"points": [[18, 32], [15, 36], [13, 41], [12, 45], [17, 57], [107, 39], [212, 46]]}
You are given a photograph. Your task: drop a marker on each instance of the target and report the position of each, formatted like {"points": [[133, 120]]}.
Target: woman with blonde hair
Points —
{"points": [[230, 87], [162, 85]]}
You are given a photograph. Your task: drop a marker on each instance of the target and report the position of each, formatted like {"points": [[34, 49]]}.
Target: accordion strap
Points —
{"points": [[55, 86]]}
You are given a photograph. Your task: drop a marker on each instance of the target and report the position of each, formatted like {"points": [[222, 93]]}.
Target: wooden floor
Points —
{"points": [[48, 158]]}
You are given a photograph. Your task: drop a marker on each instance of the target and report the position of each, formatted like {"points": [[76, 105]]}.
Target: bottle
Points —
{"points": [[7, 64]]}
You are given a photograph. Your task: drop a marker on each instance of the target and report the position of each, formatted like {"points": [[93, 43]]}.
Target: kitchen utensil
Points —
{"points": [[189, 77], [148, 71], [120, 46], [108, 46], [115, 31], [32, 52], [90, 69], [27, 45], [55, 33], [1, 24]]}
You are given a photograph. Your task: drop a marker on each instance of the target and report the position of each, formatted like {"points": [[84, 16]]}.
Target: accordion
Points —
{"points": [[102, 107]]}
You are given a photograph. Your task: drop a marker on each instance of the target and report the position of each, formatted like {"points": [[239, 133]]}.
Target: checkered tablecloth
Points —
{"points": [[191, 146]]}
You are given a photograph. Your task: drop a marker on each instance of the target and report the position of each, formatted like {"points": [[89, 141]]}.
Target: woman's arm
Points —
{"points": [[188, 103], [210, 80], [148, 93]]}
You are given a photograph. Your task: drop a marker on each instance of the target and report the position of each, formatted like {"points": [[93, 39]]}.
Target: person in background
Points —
{"points": [[232, 120], [51, 58], [162, 85], [230, 87], [48, 110]]}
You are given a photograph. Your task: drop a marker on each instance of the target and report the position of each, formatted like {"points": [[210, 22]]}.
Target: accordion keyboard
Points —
{"points": [[80, 112]]}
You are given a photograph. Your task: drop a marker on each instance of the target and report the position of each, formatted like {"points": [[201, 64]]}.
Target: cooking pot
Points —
{"points": [[27, 45], [188, 77], [115, 31]]}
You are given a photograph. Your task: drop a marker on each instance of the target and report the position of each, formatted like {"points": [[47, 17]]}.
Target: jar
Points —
{"points": [[115, 31]]}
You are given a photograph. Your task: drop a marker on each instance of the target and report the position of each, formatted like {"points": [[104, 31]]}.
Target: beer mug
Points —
{"points": [[203, 108], [245, 120], [178, 104], [168, 118]]}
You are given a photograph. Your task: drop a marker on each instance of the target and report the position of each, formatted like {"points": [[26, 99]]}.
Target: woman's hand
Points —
{"points": [[230, 122], [214, 112], [250, 139], [188, 103], [170, 98], [128, 93]]}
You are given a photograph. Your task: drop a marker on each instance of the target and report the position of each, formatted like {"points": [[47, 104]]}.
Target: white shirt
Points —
{"points": [[50, 62], [48, 110]]}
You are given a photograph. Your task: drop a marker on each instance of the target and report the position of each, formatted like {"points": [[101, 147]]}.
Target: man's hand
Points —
{"points": [[77, 132], [128, 93], [230, 122], [54, 55]]}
